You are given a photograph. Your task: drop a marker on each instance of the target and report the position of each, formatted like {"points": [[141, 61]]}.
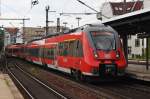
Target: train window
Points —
{"points": [[103, 40], [34, 52], [51, 53], [65, 48], [79, 50], [71, 48], [41, 52], [60, 47]]}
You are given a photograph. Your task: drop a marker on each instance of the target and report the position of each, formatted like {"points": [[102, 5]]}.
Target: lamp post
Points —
{"points": [[78, 19], [65, 23]]}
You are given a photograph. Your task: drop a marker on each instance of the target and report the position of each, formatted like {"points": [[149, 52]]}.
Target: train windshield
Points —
{"points": [[103, 40]]}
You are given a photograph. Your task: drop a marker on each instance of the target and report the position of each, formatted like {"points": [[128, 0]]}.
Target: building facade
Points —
{"points": [[30, 33], [10, 35]]}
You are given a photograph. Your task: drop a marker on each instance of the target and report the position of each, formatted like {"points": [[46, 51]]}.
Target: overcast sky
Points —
{"points": [[22, 9]]}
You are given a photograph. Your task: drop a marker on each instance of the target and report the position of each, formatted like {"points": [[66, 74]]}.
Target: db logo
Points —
{"points": [[65, 60], [107, 55]]}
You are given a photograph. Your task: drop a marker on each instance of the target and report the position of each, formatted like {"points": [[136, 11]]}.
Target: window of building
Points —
{"points": [[120, 8], [116, 8], [129, 50], [129, 8], [143, 51], [142, 42], [129, 36], [137, 42]]}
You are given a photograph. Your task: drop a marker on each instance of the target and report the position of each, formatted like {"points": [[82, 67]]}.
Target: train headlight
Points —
{"points": [[117, 54], [95, 54]]}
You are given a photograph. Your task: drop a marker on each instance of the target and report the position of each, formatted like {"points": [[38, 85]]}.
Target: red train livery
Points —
{"points": [[91, 50]]}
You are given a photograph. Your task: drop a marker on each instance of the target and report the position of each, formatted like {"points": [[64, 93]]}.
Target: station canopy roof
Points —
{"points": [[131, 23]]}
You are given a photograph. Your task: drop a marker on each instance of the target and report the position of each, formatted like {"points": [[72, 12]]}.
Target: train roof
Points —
{"points": [[82, 28], [75, 29]]}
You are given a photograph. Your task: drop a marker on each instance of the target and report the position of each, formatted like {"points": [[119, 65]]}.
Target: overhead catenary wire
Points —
{"points": [[92, 8]]}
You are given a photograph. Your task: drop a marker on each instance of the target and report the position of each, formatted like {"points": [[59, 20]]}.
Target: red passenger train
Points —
{"points": [[15, 50], [91, 50]]}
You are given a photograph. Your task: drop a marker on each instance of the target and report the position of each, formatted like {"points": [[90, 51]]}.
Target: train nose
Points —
{"points": [[107, 69], [107, 55]]}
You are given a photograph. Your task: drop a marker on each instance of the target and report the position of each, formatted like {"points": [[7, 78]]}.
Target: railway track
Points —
{"points": [[32, 87], [116, 90], [124, 90]]}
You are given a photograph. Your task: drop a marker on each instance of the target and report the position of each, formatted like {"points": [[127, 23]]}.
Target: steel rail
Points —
{"points": [[40, 82], [27, 92]]}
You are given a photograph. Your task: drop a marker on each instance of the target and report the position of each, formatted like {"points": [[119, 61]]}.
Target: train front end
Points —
{"points": [[107, 56]]}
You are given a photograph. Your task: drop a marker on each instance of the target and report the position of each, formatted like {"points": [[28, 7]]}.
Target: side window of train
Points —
{"points": [[41, 52], [38, 51], [79, 49], [35, 52], [49, 53], [30, 51], [65, 48], [52, 53], [60, 47], [71, 48]]}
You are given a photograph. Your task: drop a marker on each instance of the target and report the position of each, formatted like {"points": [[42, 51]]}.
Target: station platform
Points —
{"points": [[8, 90], [138, 71]]}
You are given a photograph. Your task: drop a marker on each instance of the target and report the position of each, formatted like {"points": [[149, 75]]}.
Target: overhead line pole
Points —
{"points": [[47, 8], [46, 28]]}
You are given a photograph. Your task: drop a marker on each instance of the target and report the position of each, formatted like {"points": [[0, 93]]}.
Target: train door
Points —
{"points": [[41, 55], [55, 56], [78, 53]]}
